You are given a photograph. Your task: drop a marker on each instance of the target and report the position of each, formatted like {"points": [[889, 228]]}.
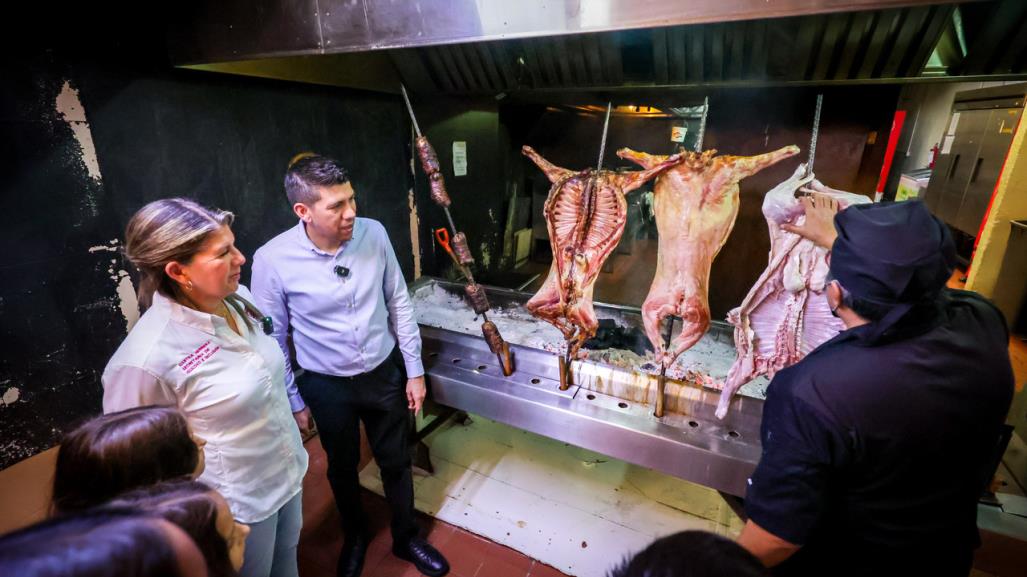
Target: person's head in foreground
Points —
{"points": [[111, 543], [692, 554], [199, 511], [120, 451]]}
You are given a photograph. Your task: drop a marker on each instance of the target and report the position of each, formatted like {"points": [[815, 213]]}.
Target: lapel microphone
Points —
{"points": [[341, 271]]}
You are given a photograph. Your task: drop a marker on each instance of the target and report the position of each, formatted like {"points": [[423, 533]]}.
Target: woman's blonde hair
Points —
{"points": [[164, 231]]}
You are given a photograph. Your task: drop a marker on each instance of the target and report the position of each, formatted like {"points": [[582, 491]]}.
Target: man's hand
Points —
{"points": [[415, 394], [303, 421], [819, 224]]}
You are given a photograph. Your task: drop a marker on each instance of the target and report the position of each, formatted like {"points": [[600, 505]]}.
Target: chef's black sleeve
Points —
{"points": [[802, 450]]}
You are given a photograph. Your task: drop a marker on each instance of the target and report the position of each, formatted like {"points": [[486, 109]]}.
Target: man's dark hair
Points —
{"points": [[91, 544], [869, 310], [692, 554], [307, 172], [120, 451]]}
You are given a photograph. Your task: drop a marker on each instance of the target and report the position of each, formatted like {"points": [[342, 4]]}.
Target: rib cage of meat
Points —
{"points": [[786, 314], [586, 213], [696, 203]]}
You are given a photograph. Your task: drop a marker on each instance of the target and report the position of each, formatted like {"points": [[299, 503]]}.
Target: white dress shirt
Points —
{"points": [[341, 325], [231, 388]]}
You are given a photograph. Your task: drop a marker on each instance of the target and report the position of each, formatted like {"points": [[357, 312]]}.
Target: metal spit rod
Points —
{"points": [[661, 382], [504, 354], [565, 361], [816, 132], [602, 143], [702, 124], [417, 130], [410, 109]]}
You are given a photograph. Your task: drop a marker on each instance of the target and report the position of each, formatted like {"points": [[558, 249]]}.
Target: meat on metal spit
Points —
{"points": [[696, 203], [430, 164], [786, 314], [586, 213]]}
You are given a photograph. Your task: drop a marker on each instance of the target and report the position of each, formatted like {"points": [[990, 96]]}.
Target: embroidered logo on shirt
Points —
{"points": [[198, 357]]}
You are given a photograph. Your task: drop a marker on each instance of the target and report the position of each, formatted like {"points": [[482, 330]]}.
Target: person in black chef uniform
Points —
{"points": [[877, 445]]}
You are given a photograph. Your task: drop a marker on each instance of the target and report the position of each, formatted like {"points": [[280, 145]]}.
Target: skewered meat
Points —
{"points": [[463, 253], [695, 203], [786, 314], [476, 295], [430, 164], [586, 213]]}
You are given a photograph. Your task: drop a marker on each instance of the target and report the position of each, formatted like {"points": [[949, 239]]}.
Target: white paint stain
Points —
{"points": [[70, 108], [486, 258], [127, 299], [126, 292], [11, 396], [415, 236]]}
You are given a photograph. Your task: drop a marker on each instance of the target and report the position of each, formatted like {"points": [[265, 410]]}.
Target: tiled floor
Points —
{"points": [[321, 540]]}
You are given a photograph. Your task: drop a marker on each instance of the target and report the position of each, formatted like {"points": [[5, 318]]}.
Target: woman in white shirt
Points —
{"points": [[201, 346]]}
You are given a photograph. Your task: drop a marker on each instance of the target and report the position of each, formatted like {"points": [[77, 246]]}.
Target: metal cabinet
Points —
{"points": [[961, 163], [984, 173], [964, 178]]}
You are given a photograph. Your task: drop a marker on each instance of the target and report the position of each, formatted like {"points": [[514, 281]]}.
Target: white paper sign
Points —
{"points": [[946, 144], [459, 158], [677, 133]]}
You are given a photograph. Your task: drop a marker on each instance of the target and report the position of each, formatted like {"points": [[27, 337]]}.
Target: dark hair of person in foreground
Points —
{"points": [[692, 554], [101, 543], [120, 451], [193, 507]]}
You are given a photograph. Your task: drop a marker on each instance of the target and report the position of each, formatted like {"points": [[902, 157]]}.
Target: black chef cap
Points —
{"points": [[892, 253]]}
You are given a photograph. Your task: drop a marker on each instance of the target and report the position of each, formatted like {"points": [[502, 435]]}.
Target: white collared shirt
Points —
{"points": [[231, 388], [340, 325]]}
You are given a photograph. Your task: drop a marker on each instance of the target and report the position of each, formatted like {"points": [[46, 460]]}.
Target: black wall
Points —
{"points": [[158, 132], [480, 197]]}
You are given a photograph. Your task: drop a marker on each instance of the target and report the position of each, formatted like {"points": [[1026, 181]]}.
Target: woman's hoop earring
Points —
{"points": [[189, 286]]}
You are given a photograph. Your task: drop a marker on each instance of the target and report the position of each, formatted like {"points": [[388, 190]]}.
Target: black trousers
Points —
{"points": [[378, 398]]}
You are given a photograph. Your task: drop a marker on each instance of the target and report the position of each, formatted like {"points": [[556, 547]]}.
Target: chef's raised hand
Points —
{"points": [[818, 225], [415, 394]]}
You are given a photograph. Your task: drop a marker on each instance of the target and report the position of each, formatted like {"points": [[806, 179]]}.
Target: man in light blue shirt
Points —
{"points": [[333, 283]]}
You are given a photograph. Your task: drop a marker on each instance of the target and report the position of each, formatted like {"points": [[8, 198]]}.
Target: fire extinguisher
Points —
{"points": [[934, 155]]}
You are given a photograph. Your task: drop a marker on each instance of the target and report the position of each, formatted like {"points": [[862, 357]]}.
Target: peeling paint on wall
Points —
{"points": [[113, 247], [125, 289], [415, 234], [486, 258], [10, 397], [69, 107], [127, 300]]}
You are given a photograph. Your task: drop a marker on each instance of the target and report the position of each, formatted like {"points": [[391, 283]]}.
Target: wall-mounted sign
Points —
{"points": [[459, 158]]}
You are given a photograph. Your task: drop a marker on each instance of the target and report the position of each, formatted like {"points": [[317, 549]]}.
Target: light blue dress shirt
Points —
{"points": [[340, 326]]}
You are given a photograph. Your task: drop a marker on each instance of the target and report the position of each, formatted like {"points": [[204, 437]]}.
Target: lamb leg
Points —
{"points": [[553, 173]]}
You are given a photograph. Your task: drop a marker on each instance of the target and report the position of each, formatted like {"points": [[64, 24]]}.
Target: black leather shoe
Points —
{"points": [[425, 558], [351, 561]]}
